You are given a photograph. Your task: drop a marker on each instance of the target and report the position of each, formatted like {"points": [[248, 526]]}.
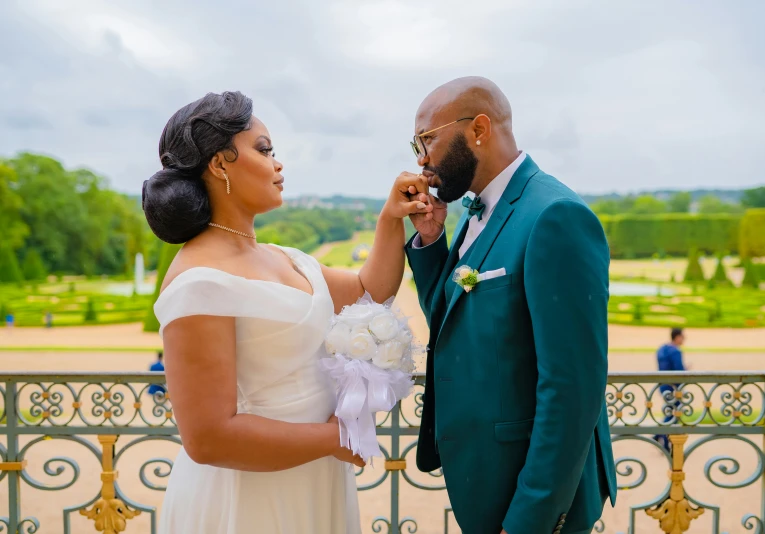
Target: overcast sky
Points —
{"points": [[607, 96]]}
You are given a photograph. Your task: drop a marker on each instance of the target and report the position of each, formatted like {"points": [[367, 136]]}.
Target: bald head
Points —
{"points": [[458, 155], [467, 97]]}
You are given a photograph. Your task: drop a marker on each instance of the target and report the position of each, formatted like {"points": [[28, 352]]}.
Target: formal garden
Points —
{"points": [[74, 252]]}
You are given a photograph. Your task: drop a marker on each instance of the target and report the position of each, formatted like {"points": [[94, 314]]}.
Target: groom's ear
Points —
{"points": [[482, 128]]}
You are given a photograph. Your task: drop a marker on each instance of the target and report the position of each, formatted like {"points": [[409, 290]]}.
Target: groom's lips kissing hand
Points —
{"points": [[431, 177]]}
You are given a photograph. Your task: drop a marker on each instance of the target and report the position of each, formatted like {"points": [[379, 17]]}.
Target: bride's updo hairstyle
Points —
{"points": [[175, 199]]}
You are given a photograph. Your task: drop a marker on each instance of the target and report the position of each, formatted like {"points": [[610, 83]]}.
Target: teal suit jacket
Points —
{"points": [[514, 408]]}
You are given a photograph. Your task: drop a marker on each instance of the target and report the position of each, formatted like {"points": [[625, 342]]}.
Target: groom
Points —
{"points": [[514, 407]]}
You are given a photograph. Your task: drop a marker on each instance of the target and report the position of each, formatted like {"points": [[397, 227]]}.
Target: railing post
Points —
{"points": [[12, 466], [395, 451], [676, 513], [110, 514]]}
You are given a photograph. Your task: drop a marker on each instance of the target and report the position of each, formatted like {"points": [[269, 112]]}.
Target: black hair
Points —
{"points": [[160, 354], [676, 332], [175, 199]]}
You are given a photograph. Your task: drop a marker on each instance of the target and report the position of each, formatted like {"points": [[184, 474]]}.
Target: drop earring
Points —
{"points": [[228, 184], [478, 142]]}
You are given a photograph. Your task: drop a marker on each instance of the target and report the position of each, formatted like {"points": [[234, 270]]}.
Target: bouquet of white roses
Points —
{"points": [[370, 360]]}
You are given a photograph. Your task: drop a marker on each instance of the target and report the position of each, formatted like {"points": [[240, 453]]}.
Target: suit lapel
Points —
{"points": [[451, 261]]}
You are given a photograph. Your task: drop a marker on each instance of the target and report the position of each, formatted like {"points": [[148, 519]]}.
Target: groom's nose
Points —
{"points": [[423, 160]]}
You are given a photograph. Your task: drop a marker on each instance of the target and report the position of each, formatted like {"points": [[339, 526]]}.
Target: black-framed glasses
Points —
{"points": [[418, 146]]}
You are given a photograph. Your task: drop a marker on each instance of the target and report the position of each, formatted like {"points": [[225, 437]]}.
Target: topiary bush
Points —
{"points": [[693, 272]]}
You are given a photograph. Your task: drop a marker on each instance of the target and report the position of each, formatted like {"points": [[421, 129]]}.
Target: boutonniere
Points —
{"points": [[466, 278]]}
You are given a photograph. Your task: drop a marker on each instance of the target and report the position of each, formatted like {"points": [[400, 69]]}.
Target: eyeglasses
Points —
{"points": [[418, 146]]}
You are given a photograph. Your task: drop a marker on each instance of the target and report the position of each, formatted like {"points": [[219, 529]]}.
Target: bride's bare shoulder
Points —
{"points": [[189, 256]]}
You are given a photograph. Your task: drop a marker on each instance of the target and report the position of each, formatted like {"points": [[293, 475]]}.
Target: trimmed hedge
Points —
{"points": [[752, 234], [675, 234], [9, 266], [166, 257]]}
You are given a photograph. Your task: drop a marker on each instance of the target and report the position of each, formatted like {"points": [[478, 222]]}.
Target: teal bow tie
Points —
{"points": [[474, 206]]}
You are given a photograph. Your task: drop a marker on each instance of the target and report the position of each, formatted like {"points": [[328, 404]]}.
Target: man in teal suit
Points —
{"points": [[514, 408]]}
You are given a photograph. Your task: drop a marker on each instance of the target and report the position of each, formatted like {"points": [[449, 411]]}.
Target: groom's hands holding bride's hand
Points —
{"points": [[429, 225], [343, 454]]}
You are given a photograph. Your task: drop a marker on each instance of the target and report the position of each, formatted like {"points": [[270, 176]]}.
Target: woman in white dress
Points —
{"points": [[243, 325]]}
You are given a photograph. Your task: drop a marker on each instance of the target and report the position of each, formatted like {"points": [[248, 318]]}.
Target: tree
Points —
{"points": [[75, 222], [13, 230], [680, 202], [751, 276], [720, 276], [151, 323], [648, 205], [33, 267], [752, 234], [753, 198], [90, 313], [9, 266], [637, 314], [694, 272], [711, 204]]}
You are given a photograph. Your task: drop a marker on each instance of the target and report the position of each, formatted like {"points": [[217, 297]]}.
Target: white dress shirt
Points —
{"points": [[489, 197]]}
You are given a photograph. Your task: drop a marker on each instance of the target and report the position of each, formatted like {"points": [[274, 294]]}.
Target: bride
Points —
{"points": [[243, 324]]}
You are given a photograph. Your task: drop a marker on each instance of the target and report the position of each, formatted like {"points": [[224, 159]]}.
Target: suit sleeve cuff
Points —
{"points": [[417, 241]]}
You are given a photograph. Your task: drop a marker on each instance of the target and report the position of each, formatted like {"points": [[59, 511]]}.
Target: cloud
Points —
{"points": [[605, 96], [20, 120]]}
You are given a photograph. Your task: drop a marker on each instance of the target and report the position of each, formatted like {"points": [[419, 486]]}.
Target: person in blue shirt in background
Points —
{"points": [[157, 366], [670, 358]]}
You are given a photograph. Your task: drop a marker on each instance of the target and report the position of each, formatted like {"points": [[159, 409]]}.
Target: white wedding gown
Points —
{"points": [[279, 338]]}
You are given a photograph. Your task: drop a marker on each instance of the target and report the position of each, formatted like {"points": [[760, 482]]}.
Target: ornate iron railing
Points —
{"points": [[697, 411]]}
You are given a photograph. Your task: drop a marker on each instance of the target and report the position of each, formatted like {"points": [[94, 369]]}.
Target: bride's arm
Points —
{"points": [[200, 360], [382, 272]]}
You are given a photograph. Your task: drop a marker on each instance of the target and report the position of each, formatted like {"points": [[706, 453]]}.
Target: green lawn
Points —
{"points": [[341, 254]]}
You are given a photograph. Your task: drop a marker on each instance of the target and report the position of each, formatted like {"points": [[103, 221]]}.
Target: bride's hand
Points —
{"points": [[401, 203], [343, 454]]}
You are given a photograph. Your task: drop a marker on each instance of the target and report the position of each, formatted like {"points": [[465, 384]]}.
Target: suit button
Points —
{"points": [[563, 516]]}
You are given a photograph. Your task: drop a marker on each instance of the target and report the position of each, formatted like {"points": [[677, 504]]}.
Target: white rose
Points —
{"points": [[337, 339], [389, 355], [361, 345], [357, 314], [464, 272], [384, 326], [404, 337]]}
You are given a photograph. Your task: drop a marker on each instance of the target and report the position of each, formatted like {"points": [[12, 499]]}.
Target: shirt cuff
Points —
{"points": [[417, 241]]}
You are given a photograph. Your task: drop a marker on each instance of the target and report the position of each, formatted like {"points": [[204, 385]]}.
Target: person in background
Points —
{"points": [[157, 366], [48, 319], [670, 358], [9, 320]]}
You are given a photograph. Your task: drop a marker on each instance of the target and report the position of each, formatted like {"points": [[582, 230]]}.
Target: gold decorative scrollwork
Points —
{"points": [[676, 513], [109, 513]]}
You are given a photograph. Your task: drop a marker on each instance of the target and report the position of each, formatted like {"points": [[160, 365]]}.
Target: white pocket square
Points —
{"points": [[488, 275]]}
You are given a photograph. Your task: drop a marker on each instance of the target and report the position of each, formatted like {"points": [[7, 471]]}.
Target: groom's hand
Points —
{"points": [[429, 225], [401, 203]]}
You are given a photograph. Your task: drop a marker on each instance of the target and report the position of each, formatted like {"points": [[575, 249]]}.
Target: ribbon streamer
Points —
{"points": [[364, 389]]}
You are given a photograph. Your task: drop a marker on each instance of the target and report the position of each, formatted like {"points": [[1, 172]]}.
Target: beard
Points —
{"points": [[456, 170]]}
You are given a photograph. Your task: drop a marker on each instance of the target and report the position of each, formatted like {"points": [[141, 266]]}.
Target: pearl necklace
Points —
{"points": [[237, 232]]}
